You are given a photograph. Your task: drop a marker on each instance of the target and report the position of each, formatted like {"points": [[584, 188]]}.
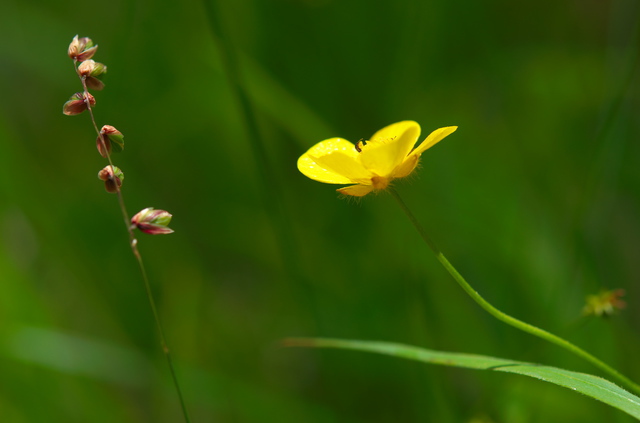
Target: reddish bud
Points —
{"points": [[94, 83], [109, 136], [81, 49], [112, 177], [89, 70], [152, 221], [78, 104]]}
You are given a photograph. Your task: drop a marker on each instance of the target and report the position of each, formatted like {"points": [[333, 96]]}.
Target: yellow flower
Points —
{"points": [[373, 164]]}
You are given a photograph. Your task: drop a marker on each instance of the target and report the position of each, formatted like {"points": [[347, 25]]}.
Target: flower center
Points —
{"points": [[379, 182]]}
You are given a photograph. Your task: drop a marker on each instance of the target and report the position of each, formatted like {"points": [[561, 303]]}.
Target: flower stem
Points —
{"points": [[519, 324], [133, 242]]}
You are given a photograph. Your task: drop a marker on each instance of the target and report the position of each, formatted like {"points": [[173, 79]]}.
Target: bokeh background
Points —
{"points": [[536, 200]]}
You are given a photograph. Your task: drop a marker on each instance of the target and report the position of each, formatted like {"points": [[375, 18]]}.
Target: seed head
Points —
{"points": [[81, 49], [78, 104], [112, 177], [152, 221]]}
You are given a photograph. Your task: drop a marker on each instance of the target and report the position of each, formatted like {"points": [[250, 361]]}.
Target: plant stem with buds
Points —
{"points": [[133, 242]]}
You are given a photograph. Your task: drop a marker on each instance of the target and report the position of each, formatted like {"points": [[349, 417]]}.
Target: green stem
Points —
{"points": [[163, 341], [519, 324]]}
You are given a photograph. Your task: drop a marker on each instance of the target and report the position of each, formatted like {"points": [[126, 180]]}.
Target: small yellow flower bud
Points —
{"points": [[605, 303]]}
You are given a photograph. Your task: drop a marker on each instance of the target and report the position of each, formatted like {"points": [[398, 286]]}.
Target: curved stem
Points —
{"points": [[518, 324]]}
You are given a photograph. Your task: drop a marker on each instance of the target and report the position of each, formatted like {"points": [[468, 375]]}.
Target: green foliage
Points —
{"points": [[589, 385], [536, 200]]}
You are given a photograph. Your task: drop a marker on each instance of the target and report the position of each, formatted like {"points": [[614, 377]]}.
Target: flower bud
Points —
{"points": [[94, 83], [78, 104], [152, 221], [81, 49], [605, 303], [109, 136], [112, 177], [89, 70]]}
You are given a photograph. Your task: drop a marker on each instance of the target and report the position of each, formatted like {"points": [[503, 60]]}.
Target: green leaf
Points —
{"points": [[592, 386], [117, 142]]}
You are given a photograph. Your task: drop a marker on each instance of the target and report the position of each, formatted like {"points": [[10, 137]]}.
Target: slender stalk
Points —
{"points": [[163, 340], [133, 242], [519, 324]]}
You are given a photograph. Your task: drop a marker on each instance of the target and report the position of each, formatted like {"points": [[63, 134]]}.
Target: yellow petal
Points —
{"points": [[308, 166], [344, 165], [356, 190], [389, 147], [393, 130], [433, 138], [406, 167]]}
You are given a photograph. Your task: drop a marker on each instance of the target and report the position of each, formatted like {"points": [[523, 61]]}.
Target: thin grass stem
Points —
{"points": [[133, 242]]}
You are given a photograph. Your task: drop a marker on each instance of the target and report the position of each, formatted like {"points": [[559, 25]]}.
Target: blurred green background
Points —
{"points": [[536, 200]]}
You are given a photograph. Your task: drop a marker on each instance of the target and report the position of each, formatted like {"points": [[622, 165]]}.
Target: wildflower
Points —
{"points": [[109, 136], [81, 49], [605, 303], [371, 165], [78, 104], [89, 70], [152, 221], [112, 177]]}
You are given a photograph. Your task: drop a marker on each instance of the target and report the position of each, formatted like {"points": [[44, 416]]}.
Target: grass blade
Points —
{"points": [[592, 386]]}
